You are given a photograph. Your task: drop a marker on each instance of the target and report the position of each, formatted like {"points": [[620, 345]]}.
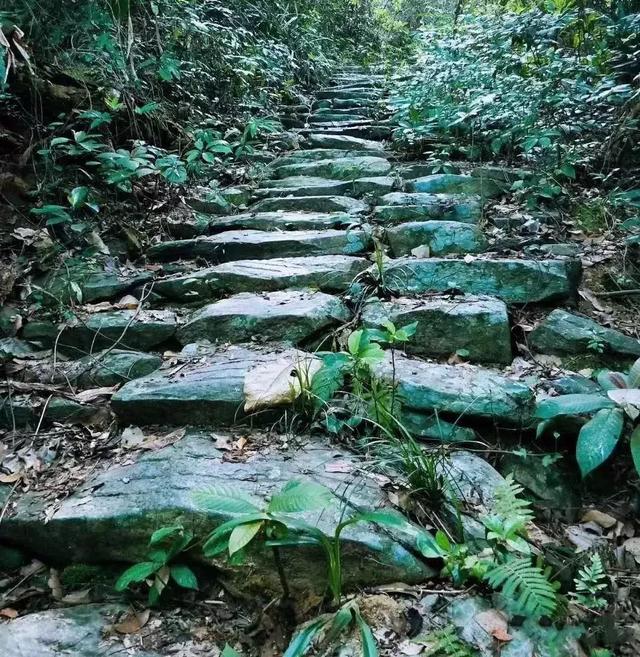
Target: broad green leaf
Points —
{"points": [[164, 532], [429, 548], [183, 576], [598, 438], [389, 518], [147, 109], [137, 573], [228, 651], [299, 496], [633, 378], [341, 620], [611, 380], [78, 196], [222, 499], [303, 639], [635, 448], [242, 535], [581, 404]]}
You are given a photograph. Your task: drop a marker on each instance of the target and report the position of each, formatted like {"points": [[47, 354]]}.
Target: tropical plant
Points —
{"points": [[590, 584], [165, 545], [445, 643]]}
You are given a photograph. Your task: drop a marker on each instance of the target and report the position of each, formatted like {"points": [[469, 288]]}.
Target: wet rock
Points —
{"points": [[127, 503], [72, 632], [419, 170], [127, 329], [344, 142], [239, 195], [315, 154], [11, 348], [326, 273], [401, 206], [348, 168], [88, 282], [472, 479], [11, 559], [257, 245], [208, 201], [18, 410], [287, 316], [461, 391], [10, 321], [311, 204], [441, 238], [451, 183], [512, 280], [477, 326], [303, 186], [430, 426], [565, 333]]}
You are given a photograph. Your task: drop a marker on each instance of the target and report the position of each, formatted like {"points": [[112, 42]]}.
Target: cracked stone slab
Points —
{"points": [[311, 204], [401, 206], [452, 183], [288, 316], [441, 238], [348, 168], [111, 516], [460, 391], [477, 325], [327, 273], [514, 281], [257, 244], [319, 140]]}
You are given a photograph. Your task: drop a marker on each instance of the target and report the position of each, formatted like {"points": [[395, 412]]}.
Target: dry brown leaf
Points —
{"points": [[10, 478], [54, 584], [9, 612], [277, 382], [603, 519], [339, 466], [94, 393], [133, 622], [77, 597], [160, 442], [494, 623]]}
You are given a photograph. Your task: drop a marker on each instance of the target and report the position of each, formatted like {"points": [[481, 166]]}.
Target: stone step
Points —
{"points": [[315, 140], [451, 183], [315, 154], [32, 410], [400, 206], [361, 112], [349, 94], [187, 227], [259, 244], [111, 517], [288, 316], [208, 387], [440, 237], [562, 332], [478, 326], [459, 391], [422, 169], [355, 103], [127, 329], [348, 168], [311, 204], [337, 117], [370, 131], [297, 186], [514, 281], [327, 273]]}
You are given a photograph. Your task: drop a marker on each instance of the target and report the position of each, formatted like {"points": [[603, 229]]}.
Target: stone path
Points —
{"points": [[244, 293]]}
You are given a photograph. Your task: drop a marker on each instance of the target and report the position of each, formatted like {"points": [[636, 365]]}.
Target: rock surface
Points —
{"points": [[401, 206], [440, 237], [347, 168]]}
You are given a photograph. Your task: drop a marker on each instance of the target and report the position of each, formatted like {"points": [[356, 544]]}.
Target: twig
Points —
{"points": [[617, 293]]}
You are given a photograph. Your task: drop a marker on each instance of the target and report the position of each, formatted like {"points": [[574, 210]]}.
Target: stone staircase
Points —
{"points": [[239, 295]]}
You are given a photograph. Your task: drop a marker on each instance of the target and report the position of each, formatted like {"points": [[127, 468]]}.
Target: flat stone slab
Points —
{"points": [[303, 186], [315, 154], [258, 244], [349, 94], [207, 390], [71, 632], [101, 369], [451, 183], [345, 142], [477, 325], [326, 273], [401, 206], [20, 410], [362, 130], [127, 503], [562, 332], [287, 316], [127, 329], [513, 281], [441, 238], [336, 117], [311, 204], [348, 168], [88, 282], [459, 391]]}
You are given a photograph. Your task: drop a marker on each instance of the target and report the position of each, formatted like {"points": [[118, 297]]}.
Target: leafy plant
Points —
{"points": [[600, 435], [445, 643], [165, 545], [590, 584]]}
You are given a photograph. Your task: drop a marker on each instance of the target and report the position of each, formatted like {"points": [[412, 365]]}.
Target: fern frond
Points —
{"points": [[445, 643], [590, 583], [508, 504], [526, 584]]}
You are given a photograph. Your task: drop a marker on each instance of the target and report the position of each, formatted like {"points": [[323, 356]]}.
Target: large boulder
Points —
{"points": [[512, 280], [288, 316], [478, 326], [562, 332], [112, 515]]}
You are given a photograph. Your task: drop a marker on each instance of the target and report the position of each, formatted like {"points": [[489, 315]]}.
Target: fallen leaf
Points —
{"points": [[339, 466], [10, 478], [8, 612], [54, 584], [160, 442], [632, 547], [133, 622], [90, 395], [603, 519], [493, 622], [277, 382], [131, 437], [77, 597]]}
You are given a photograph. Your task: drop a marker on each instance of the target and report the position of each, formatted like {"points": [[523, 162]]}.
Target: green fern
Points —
{"points": [[525, 584], [508, 505], [590, 583], [445, 643]]}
